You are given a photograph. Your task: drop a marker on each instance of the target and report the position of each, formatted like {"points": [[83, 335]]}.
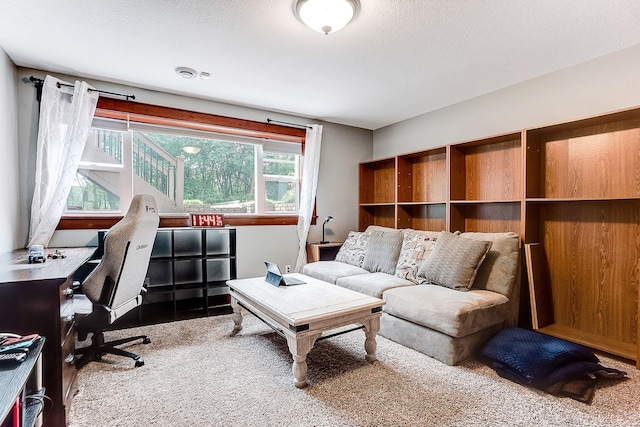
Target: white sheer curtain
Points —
{"points": [[65, 118], [310, 166]]}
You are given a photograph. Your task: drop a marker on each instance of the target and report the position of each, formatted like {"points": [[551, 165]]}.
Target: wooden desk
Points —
{"points": [[37, 298], [322, 251]]}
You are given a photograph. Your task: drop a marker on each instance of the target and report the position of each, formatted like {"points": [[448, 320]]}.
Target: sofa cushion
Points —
{"points": [[330, 271], [416, 247], [500, 270], [373, 284], [453, 313], [454, 261], [353, 249], [382, 251]]}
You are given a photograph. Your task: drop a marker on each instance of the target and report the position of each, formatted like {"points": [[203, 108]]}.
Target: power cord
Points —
{"points": [[42, 398]]}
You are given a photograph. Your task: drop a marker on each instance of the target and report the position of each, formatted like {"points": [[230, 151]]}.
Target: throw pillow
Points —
{"points": [[416, 248], [382, 252], [454, 261], [353, 249]]}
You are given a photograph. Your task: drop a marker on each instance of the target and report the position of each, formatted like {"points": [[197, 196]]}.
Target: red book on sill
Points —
{"points": [[15, 414]]}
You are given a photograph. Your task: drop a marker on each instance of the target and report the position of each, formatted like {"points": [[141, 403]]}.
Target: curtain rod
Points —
{"points": [[39, 82], [289, 124]]}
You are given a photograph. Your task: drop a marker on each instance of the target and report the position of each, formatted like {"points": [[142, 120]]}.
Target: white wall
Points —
{"points": [[608, 83], [10, 230], [343, 147]]}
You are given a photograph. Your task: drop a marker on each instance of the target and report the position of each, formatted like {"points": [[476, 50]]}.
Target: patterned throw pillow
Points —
{"points": [[454, 261], [382, 252], [416, 248], [353, 249]]}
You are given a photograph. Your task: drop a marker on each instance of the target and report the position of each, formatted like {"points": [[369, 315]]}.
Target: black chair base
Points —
{"points": [[98, 348]]}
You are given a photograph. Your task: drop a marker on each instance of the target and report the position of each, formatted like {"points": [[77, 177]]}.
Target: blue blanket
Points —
{"points": [[545, 362]]}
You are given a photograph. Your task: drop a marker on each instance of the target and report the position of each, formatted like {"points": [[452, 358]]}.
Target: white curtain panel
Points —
{"points": [[310, 167], [65, 118]]}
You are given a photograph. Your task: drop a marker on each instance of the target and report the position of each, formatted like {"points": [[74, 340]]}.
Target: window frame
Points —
{"points": [[154, 114]]}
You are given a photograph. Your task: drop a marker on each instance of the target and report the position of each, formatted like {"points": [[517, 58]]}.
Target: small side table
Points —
{"points": [[317, 251]]}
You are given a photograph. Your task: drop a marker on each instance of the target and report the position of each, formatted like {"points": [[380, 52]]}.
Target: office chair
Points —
{"points": [[114, 287]]}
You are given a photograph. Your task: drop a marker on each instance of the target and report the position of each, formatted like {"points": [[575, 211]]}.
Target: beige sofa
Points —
{"points": [[446, 293]]}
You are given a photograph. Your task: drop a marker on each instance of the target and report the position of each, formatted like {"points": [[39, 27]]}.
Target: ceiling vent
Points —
{"points": [[186, 72]]}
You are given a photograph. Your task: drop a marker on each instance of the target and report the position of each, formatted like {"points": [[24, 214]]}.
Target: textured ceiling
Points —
{"points": [[396, 60]]}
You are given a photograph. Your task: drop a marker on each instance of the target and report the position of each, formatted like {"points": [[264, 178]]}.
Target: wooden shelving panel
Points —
{"points": [[488, 169], [422, 176], [595, 158], [485, 182], [594, 281], [382, 215], [422, 216], [378, 182], [488, 217]]}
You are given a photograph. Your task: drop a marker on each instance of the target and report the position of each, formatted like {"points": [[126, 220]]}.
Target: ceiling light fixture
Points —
{"points": [[186, 72], [326, 16]]}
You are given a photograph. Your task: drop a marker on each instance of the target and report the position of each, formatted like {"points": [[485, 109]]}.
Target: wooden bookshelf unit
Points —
{"points": [[583, 208], [570, 190], [421, 196], [377, 192]]}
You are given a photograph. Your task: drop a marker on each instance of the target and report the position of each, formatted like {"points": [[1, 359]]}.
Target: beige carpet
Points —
{"points": [[197, 374]]}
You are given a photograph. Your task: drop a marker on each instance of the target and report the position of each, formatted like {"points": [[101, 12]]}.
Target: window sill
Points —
{"points": [[107, 221]]}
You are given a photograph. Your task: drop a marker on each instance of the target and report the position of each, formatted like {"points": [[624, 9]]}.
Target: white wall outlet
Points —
{"points": [[287, 268]]}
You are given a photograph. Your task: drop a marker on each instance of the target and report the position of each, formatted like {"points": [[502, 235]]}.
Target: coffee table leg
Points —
{"points": [[237, 315], [299, 348], [371, 328]]}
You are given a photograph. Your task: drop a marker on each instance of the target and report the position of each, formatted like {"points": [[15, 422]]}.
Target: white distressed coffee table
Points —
{"points": [[301, 313]]}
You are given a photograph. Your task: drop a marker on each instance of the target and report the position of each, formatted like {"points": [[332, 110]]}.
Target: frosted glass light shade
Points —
{"points": [[326, 16], [191, 150]]}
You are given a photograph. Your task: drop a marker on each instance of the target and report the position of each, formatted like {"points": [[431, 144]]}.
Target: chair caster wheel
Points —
{"points": [[139, 363], [146, 341]]}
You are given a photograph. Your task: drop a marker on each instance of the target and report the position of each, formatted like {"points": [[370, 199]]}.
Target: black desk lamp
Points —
{"points": [[329, 218]]}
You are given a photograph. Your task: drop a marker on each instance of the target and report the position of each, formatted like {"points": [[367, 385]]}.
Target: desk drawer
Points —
{"points": [[67, 347], [69, 371], [67, 315], [67, 320]]}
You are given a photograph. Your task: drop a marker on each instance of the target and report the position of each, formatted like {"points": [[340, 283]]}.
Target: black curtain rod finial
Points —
{"points": [[36, 80], [38, 83]]}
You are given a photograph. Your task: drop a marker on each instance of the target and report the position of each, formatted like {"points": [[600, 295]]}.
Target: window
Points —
{"points": [[97, 184], [186, 171], [191, 162]]}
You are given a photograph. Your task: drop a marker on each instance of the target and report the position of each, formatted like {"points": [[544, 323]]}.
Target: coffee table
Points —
{"points": [[301, 313]]}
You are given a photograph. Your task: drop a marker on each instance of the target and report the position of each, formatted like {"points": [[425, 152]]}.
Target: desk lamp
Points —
{"points": [[329, 218]]}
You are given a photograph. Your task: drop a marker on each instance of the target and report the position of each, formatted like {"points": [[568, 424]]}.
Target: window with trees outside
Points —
{"points": [[187, 171]]}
